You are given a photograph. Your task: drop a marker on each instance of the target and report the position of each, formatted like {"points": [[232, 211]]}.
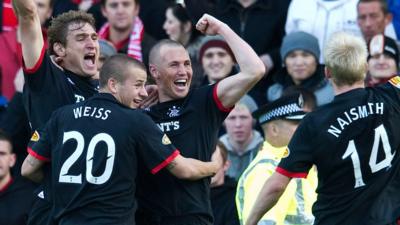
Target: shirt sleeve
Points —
{"points": [[299, 157], [41, 142], [154, 147], [37, 76]]}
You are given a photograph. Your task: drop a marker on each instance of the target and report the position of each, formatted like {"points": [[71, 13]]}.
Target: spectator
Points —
{"points": [[8, 20], [223, 189], [16, 193], [322, 18], [106, 50], [300, 53], [352, 141], [373, 17], [279, 120], [383, 60], [125, 29], [394, 8], [192, 119], [242, 140], [217, 60], [179, 27], [260, 23]]}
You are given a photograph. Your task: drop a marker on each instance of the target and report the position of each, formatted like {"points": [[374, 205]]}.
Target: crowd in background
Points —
{"points": [[289, 37]]}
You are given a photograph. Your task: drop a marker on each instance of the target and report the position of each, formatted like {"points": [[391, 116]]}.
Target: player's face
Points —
{"points": [[7, 159], [120, 13], [371, 19], [174, 73], [44, 10], [239, 124], [82, 50], [132, 91], [300, 65], [382, 66], [217, 63], [172, 26]]}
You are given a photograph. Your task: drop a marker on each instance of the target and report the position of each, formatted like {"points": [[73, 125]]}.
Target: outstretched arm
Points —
{"points": [[31, 31], [31, 169], [269, 195], [252, 69], [193, 169]]}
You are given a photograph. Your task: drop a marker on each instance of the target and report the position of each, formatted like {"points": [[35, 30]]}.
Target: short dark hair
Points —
{"points": [[155, 50], [383, 3], [116, 66], [58, 30], [4, 137], [103, 2], [223, 150]]}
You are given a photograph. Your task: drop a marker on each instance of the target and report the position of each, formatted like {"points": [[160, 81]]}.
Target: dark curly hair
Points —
{"points": [[58, 30]]}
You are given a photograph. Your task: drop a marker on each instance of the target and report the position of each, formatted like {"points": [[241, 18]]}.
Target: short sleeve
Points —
{"points": [[154, 147], [299, 157], [41, 141]]}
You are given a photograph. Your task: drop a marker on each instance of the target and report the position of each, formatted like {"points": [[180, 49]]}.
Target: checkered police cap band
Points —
{"points": [[288, 107]]}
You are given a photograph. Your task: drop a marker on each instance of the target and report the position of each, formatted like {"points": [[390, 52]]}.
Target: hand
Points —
{"points": [[217, 159], [209, 25], [152, 98]]}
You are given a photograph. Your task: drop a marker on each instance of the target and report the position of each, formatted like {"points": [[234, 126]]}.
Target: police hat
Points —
{"points": [[288, 107]]}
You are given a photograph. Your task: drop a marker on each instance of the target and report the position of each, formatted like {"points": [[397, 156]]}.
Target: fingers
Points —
{"points": [[202, 24], [151, 99]]}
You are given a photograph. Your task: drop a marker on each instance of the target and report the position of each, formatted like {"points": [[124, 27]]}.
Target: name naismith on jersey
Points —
{"points": [[87, 111], [354, 114]]}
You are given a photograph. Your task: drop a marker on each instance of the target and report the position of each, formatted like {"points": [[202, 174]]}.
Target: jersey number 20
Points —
{"points": [[78, 137], [380, 135]]}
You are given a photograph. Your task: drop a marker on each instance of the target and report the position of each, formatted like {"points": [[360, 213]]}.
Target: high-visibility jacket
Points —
{"points": [[294, 206]]}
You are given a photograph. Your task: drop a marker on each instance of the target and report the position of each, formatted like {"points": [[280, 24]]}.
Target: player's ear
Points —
{"points": [[154, 71], [112, 85], [59, 49]]}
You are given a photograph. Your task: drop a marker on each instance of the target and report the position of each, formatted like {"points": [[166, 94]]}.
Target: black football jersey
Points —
{"points": [[48, 87], [354, 143], [94, 148], [192, 123]]}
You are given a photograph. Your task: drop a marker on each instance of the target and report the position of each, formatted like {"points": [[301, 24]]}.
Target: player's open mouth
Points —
{"points": [[90, 59], [137, 101], [181, 82]]}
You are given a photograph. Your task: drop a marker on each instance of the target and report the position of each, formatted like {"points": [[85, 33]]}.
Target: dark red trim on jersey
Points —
{"points": [[290, 174], [37, 156], [7, 185], [165, 162], [218, 102], [37, 64]]}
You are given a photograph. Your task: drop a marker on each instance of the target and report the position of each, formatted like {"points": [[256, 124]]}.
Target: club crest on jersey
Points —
{"points": [[165, 140], [173, 111], [395, 81], [286, 153], [35, 136]]}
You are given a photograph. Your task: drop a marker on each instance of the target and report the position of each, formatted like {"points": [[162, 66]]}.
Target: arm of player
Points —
{"points": [[232, 88], [31, 169], [269, 195], [193, 169], [31, 31]]}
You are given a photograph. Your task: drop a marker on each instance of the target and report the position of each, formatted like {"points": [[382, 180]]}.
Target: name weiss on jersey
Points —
{"points": [[87, 111], [354, 114]]}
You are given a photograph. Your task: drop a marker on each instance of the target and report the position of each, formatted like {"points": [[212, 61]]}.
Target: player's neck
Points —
{"points": [[345, 88]]}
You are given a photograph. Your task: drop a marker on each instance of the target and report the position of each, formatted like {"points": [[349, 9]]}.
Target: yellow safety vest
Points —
{"points": [[294, 206]]}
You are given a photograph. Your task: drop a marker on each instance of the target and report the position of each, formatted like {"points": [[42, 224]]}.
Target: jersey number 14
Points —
{"points": [[380, 135], [78, 137]]}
